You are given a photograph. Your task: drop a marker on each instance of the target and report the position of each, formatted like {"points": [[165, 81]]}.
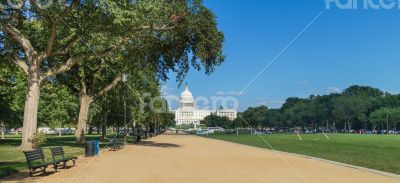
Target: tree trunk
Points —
{"points": [[90, 131], [301, 125], [2, 130], [155, 128], [387, 125], [147, 131], [365, 125], [138, 134], [349, 126], [31, 108], [135, 127], [312, 125], [85, 102], [104, 128], [59, 132], [334, 126], [133, 131], [98, 128]]}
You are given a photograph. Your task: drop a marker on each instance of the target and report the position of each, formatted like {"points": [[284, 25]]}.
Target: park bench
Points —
{"points": [[35, 160], [116, 144], [58, 157]]}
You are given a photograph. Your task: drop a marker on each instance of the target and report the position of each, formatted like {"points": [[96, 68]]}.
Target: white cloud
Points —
{"points": [[303, 82], [313, 91], [271, 103], [333, 89], [220, 93], [231, 93]]}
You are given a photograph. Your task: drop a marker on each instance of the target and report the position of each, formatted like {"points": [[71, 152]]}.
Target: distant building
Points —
{"points": [[187, 113]]}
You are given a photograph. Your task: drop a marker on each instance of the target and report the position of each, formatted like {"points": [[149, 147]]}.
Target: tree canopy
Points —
{"points": [[104, 39], [356, 108]]}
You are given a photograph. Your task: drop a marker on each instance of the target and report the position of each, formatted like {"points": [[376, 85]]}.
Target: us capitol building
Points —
{"points": [[187, 113]]}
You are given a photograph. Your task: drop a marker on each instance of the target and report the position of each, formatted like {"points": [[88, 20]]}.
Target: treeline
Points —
{"points": [[59, 106], [356, 108], [78, 63]]}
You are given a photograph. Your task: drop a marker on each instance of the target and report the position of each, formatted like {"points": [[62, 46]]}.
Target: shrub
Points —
{"points": [[37, 140]]}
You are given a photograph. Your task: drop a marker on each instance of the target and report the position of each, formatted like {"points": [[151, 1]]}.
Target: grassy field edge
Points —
{"points": [[383, 157]]}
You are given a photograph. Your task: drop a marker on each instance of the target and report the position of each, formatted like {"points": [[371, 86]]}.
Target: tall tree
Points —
{"points": [[58, 107], [43, 41], [395, 117], [324, 109], [94, 84], [362, 91], [380, 117], [350, 109], [12, 89], [217, 121], [273, 118]]}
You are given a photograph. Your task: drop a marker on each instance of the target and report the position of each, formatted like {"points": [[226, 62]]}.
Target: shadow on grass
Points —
{"points": [[10, 142], [7, 168], [161, 145], [67, 141]]}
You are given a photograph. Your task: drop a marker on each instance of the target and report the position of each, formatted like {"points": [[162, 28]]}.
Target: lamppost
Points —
{"points": [[124, 79]]}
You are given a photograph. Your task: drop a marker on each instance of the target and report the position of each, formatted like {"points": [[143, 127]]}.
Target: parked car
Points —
{"points": [[310, 132], [202, 132], [68, 131], [369, 132], [7, 131], [215, 129], [46, 130]]}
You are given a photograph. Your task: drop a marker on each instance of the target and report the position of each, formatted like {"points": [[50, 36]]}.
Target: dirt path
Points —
{"points": [[183, 158]]}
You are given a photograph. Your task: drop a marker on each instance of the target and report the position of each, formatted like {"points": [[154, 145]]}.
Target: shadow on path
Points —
{"points": [[154, 144]]}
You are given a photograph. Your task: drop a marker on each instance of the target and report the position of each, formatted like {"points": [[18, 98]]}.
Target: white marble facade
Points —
{"points": [[188, 114]]}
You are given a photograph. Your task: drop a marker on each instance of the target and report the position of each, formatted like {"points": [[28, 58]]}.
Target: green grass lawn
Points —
{"points": [[12, 158], [380, 152]]}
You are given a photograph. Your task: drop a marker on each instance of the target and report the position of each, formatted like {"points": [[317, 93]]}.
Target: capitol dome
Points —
{"points": [[187, 114], [186, 95], [186, 98]]}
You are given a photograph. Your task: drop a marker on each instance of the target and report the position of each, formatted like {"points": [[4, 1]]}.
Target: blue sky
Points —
{"points": [[341, 48]]}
